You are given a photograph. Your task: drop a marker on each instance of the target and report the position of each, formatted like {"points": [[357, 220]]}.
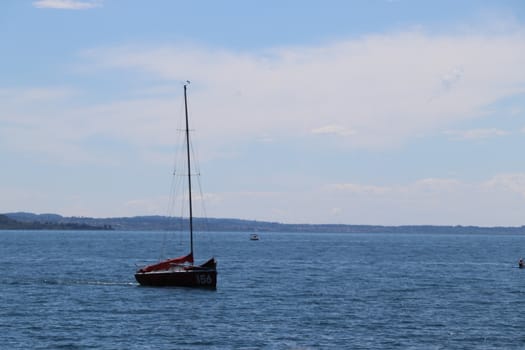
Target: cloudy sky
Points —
{"points": [[358, 112]]}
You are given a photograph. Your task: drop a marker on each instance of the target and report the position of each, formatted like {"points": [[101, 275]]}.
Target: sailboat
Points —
{"points": [[181, 271]]}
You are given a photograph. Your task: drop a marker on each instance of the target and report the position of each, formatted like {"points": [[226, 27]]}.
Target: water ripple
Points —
{"points": [[294, 291]]}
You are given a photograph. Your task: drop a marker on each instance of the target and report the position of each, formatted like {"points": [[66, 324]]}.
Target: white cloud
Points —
{"points": [[360, 189], [387, 87], [374, 92], [46, 123], [67, 4], [514, 183], [422, 187], [439, 201], [334, 130], [443, 201], [452, 78], [497, 201]]}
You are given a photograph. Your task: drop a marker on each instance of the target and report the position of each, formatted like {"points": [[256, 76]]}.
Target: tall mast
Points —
{"points": [[189, 168]]}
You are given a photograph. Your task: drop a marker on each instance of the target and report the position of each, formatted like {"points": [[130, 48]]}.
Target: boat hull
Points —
{"points": [[195, 278]]}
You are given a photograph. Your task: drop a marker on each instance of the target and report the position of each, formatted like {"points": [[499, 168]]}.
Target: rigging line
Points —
{"points": [[176, 219], [180, 193], [194, 153], [203, 205], [171, 220], [204, 225], [196, 172], [196, 165], [169, 215]]}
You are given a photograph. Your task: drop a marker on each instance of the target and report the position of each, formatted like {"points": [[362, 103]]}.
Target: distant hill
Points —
{"points": [[9, 223], [160, 223]]}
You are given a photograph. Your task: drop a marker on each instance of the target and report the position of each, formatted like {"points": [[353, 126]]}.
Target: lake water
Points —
{"points": [[76, 290]]}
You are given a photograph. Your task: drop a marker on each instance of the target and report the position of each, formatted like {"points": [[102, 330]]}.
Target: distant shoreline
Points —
{"points": [[31, 221], [8, 223]]}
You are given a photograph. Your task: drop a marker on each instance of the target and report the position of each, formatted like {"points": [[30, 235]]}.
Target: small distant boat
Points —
{"points": [[521, 264], [181, 271], [254, 237]]}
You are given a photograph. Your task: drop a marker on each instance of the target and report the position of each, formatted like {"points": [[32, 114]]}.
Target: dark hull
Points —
{"points": [[198, 279]]}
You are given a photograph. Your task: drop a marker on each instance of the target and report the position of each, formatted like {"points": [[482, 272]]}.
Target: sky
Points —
{"points": [[384, 112]]}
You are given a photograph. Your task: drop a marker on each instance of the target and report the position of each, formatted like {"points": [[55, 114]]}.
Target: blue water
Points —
{"points": [[75, 290]]}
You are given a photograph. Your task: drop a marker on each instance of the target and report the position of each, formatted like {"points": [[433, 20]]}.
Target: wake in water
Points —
{"points": [[87, 282], [66, 282]]}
